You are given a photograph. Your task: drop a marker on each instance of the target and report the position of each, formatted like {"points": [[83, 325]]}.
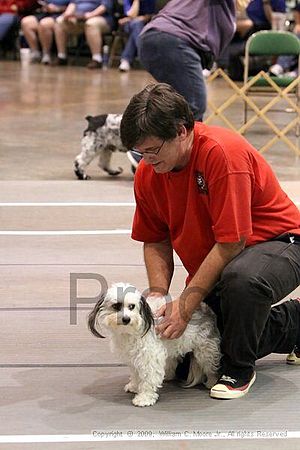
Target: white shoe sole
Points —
{"points": [[220, 391]]}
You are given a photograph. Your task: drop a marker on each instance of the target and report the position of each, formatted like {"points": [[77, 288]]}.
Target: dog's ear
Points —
{"points": [[95, 122], [92, 317], [147, 315]]}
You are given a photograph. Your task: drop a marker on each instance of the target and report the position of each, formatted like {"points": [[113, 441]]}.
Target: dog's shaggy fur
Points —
{"points": [[125, 316], [101, 138]]}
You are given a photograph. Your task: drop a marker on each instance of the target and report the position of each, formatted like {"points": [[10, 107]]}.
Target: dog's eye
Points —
{"points": [[117, 306], [131, 306]]}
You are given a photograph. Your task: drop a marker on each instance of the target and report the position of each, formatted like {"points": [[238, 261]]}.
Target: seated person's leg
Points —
{"points": [[45, 32], [61, 30], [29, 25], [133, 28], [285, 65], [243, 26], [94, 29]]}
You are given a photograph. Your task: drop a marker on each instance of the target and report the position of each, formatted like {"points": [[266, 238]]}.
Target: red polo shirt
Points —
{"points": [[227, 191]]}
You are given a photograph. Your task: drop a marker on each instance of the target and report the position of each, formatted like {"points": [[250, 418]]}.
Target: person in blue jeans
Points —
{"points": [[137, 14], [184, 38], [288, 64]]}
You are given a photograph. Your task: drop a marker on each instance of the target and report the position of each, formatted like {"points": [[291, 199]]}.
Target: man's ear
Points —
{"points": [[182, 132]]}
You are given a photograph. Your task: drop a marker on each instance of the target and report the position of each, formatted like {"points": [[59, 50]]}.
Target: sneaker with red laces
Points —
{"points": [[294, 357], [229, 388]]}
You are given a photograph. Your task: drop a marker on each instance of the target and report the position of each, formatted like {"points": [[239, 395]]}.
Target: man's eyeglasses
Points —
{"points": [[147, 152]]}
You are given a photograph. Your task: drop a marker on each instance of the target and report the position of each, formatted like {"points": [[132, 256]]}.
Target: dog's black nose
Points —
{"points": [[126, 320]]}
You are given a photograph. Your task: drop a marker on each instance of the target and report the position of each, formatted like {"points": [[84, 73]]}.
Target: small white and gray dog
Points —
{"points": [[101, 138], [126, 318]]}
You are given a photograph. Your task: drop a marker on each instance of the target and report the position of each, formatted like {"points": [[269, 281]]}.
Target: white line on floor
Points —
{"points": [[63, 232], [12, 204], [149, 435], [59, 204]]}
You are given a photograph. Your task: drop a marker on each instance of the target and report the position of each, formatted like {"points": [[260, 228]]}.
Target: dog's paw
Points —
{"points": [[114, 173], [80, 174], [170, 373], [170, 377], [210, 381], [130, 387], [145, 399]]}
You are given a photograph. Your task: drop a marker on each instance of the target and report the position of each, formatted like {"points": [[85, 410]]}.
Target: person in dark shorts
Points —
{"points": [[38, 29]]}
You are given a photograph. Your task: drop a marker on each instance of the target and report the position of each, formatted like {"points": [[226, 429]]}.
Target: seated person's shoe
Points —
{"points": [[276, 70], [46, 59], [294, 357], [60, 62], [35, 58], [124, 66], [291, 74], [94, 65], [229, 388]]}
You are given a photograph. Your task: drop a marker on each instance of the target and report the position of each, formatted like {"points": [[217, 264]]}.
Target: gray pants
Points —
{"points": [[251, 283]]}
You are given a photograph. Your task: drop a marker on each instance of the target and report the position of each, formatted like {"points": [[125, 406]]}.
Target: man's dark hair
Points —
{"points": [[158, 110]]}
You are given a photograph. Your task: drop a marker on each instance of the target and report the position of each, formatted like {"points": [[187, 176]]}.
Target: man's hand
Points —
{"points": [[68, 16], [175, 320], [88, 15], [50, 8]]}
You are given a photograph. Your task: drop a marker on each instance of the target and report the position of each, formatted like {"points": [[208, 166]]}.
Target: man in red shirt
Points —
{"points": [[206, 193]]}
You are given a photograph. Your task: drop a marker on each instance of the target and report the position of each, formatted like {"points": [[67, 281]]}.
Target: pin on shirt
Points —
{"points": [[201, 183]]}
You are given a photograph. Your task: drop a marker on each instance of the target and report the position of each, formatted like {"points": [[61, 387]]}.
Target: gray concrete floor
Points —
{"points": [[56, 378]]}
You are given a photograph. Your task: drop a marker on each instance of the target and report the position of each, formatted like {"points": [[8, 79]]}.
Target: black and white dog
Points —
{"points": [[123, 315], [102, 137]]}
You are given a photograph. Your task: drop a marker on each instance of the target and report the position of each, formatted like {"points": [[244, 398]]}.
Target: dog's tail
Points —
{"points": [[195, 375]]}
